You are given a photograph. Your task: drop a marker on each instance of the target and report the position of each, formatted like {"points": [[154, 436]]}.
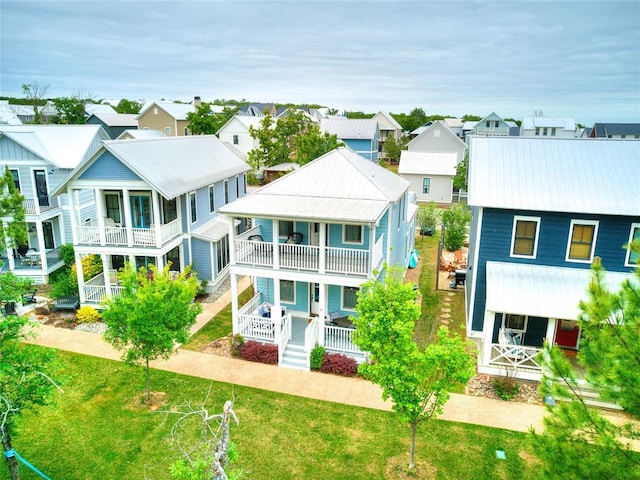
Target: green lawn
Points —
{"points": [[95, 432]]}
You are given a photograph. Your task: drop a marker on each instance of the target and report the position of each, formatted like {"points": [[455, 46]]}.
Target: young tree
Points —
{"points": [[418, 382], [36, 92], [392, 149], [455, 221], [12, 287], [428, 217], [610, 357], [128, 106], [26, 381], [13, 227], [462, 169], [204, 122], [271, 151], [153, 312], [313, 144], [71, 110]]}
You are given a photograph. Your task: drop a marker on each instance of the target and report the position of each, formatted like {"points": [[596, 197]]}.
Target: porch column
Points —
{"points": [[323, 251], [487, 337], [9, 251], [128, 221], [232, 241], [41, 247], [102, 215], [276, 246], [72, 216], [106, 274], [322, 313], [276, 312], [234, 302], [157, 222], [372, 247], [552, 325], [80, 275]]}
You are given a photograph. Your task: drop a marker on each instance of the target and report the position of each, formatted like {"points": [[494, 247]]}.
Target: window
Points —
{"points": [[496, 123], [515, 322], [352, 234], [226, 192], [212, 198], [524, 239], [222, 254], [553, 132], [235, 139], [155, 110], [169, 210], [186, 132], [47, 233], [192, 204], [633, 259], [237, 186], [544, 131], [16, 179], [582, 239], [349, 298], [401, 212], [287, 291], [167, 130], [285, 228], [436, 133], [426, 185], [488, 124], [537, 131], [112, 203]]}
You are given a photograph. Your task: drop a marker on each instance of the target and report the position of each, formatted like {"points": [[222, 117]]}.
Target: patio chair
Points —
{"points": [[29, 297], [295, 237], [9, 308], [255, 238]]}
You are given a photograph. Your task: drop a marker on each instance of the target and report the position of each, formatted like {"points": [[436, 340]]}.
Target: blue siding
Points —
{"points": [[368, 148], [108, 167], [335, 301], [495, 244], [201, 259]]}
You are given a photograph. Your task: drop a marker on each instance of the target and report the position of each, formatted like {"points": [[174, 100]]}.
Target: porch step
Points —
{"points": [[591, 397], [294, 357]]}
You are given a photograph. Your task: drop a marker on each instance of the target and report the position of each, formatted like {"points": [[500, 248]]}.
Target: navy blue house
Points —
{"points": [[543, 209]]}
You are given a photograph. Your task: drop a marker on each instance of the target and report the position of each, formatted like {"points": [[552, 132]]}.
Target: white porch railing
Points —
{"points": [[311, 335], [339, 339], [347, 260], [285, 336], [299, 257], [258, 328], [249, 252], [89, 233], [98, 293], [515, 356]]}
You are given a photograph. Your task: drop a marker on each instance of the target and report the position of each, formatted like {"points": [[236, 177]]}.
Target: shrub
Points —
{"points": [[505, 387], [236, 342], [456, 225], [259, 352], [65, 284], [67, 254], [339, 365], [88, 315], [317, 356]]}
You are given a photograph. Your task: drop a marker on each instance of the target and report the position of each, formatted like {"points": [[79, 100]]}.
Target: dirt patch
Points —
{"points": [[397, 469], [58, 319], [482, 386], [155, 401], [220, 347]]}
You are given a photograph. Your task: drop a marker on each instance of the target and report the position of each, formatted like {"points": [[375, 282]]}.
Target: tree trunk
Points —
{"points": [[148, 382], [412, 449], [12, 462]]}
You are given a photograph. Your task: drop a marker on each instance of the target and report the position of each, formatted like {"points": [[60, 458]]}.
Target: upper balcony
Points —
{"points": [[40, 205], [92, 233], [306, 258]]}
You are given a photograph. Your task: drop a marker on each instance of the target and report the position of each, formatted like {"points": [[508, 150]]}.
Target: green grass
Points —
{"points": [[219, 326], [94, 432]]}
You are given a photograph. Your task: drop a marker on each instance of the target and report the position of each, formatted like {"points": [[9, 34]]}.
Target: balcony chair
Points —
{"points": [[255, 238], [29, 297], [295, 237]]}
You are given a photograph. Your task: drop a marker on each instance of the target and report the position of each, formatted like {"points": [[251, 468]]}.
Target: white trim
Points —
{"points": [[344, 231], [342, 307], [516, 219], [292, 302], [634, 226], [474, 271], [519, 330], [574, 222]]}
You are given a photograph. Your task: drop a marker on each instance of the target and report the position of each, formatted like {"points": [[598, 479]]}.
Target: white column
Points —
{"points": [[276, 311], [157, 223], [41, 247], [80, 275], [72, 216], [322, 314], [276, 244], [106, 274], [102, 215], [487, 337], [322, 241], [234, 302], [232, 241], [372, 247], [552, 325], [128, 221]]}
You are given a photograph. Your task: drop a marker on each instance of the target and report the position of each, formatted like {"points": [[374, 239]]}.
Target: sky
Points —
{"points": [[574, 58]]}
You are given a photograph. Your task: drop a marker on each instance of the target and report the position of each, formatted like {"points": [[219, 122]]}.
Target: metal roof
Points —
{"points": [[604, 129], [213, 230], [340, 186], [530, 123], [65, 146], [145, 133], [103, 108], [542, 291], [350, 129], [176, 165], [556, 175], [388, 122], [427, 163], [117, 119], [176, 110]]}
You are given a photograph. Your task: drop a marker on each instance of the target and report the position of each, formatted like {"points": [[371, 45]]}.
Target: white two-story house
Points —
{"points": [[156, 202], [318, 233]]}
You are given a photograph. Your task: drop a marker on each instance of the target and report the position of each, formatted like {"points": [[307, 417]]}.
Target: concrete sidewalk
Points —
{"points": [[332, 388]]}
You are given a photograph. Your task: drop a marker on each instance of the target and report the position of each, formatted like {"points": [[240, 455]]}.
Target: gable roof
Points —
{"points": [[116, 119], [174, 165], [453, 122], [556, 175], [605, 129], [176, 110], [340, 186], [65, 146], [105, 108], [423, 163], [386, 121], [350, 129], [434, 126], [138, 134], [245, 120]]}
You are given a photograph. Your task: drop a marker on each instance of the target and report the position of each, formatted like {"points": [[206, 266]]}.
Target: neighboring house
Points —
{"points": [[361, 135], [628, 131], [492, 126], [114, 123], [388, 127], [543, 209], [40, 157], [438, 138], [168, 117], [149, 211], [25, 113], [99, 108], [236, 132], [7, 115], [140, 134], [455, 125], [548, 127], [430, 174], [319, 233]]}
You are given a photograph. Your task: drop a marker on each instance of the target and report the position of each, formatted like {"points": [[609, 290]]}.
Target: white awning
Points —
{"points": [[541, 291], [214, 230]]}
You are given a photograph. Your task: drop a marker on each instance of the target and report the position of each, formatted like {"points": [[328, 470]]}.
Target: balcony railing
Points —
{"points": [[515, 357], [34, 207], [92, 234], [348, 261], [338, 339]]}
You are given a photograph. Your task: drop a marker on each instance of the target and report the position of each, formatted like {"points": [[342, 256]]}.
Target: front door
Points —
{"points": [[141, 211], [314, 298], [567, 334]]}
